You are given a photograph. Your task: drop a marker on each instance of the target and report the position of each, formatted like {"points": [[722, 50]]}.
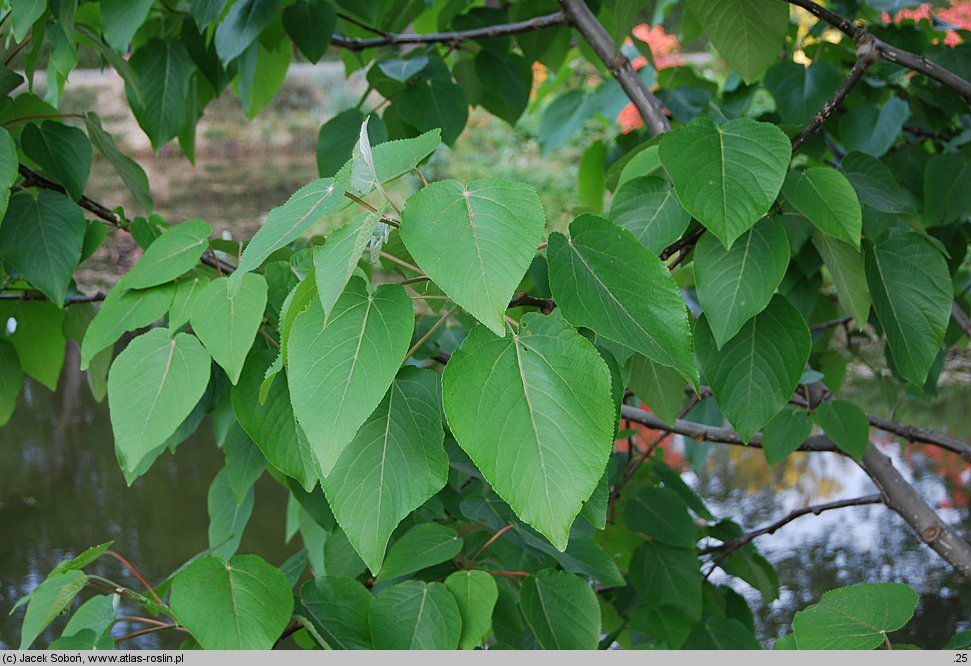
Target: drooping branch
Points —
{"points": [[735, 544], [452, 38], [649, 106]]}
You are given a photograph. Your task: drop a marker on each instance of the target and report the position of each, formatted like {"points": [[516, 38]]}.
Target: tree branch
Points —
{"points": [[649, 106], [37, 296], [453, 38], [962, 319], [545, 305]]}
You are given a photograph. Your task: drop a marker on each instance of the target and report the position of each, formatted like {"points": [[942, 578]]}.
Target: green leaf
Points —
{"points": [[506, 83], [736, 284], [47, 601], [285, 223], [226, 322], [415, 616], [644, 163], [62, 151], [828, 200], [662, 515], [947, 188], [911, 291], [872, 129], [271, 422], [337, 607], [391, 467], [800, 91], [727, 177], [163, 70], [875, 184], [242, 25], [310, 24], [336, 260], [173, 371], [475, 242], [845, 266], [590, 177], [42, 238], [244, 461], [340, 367], [599, 277], [423, 546], [228, 515], [754, 374], [123, 311], [121, 19], [11, 380], [664, 624], [24, 13], [856, 617], [665, 576], [338, 136], [240, 604], [562, 119], [186, 293], [562, 610], [205, 12], [747, 33], [394, 159], [846, 424], [38, 339], [784, 433], [9, 165], [722, 633], [173, 253], [97, 614], [262, 71], [476, 594], [648, 208], [432, 104], [659, 387], [546, 452]]}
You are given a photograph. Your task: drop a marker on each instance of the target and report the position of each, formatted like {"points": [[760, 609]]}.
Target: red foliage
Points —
{"points": [[665, 50], [958, 14]]}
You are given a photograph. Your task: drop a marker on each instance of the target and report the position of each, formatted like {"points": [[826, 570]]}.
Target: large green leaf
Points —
{"points": [[121, 19], [800, 91], [857, 617], [152, 387], [785, 433], [336, 260], [394, 159], [227, 323], [828, 200], [239, 604], [506, 84], [424, 545], [42, 237], [872, 129], [875, 184], [947, 188], [562, 610], [662, 515], [340, 367], [476, 594], [285, 223], [64, 153], [164, 69], [846, 424], [534, 413], [434, 103], [23, 15], [46, 603], [339, 135], [475, 242], [122, 311], [747, 33], [394, 463], [11, 380], [38, 338], [661, 388], [415, 616], [727, 176], [337, 607], [911, 291], [736, 284], [665, 576], [845, 266], [599, 278], [242, 25], [754, 374], [170, 255], [648, 208], [128, 169], [310, 24]]}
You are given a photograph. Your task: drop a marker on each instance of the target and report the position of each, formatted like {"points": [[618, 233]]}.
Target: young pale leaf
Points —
{"points": [[337, 608], [394, 159], [228, 515], [727, 176], [754, 374], [747, 33], [662, 515], [415, 616], [11, 380], [846, 424], [911, 291], [227, 322], [476, 594], [736, 284], [336, 259], [39, 339], [164, 70], [170, 255], [659, 387], [239, 604], [122, 311], [516, 407], [828, 200], [845, 266], [800, 91], [242, 25], [784, 433], [174, 371], [600, 278], [64, 153], [285, 223], [665, 576], [392, 466], [340, 367], [424, 545], [42, 238], [648, 208], [475, 242], [856, 617], [310, 24], [47, 601], [271, 423], [562, 610]]}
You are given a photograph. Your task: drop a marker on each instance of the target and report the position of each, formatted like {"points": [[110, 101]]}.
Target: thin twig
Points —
{"points": [[441, 320], [401, 262], [488, 543], [37, 296], [413, 280], [362, 24], [128, 565], [832, 323], [145, 632]]}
